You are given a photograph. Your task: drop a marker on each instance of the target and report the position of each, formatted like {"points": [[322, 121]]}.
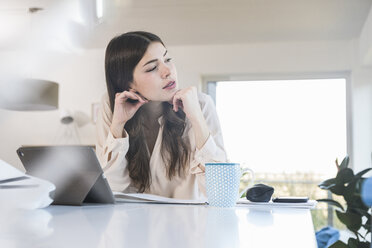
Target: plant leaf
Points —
{"points": [[361, 173], [327, 183], [352, 195], [364, 245], [332, 202], [332, 185], [344, 176], [353, 221], [337, 189], [344, 163], [358, 244], [362, 212], [349, 193], [338, 244], [352, 243]]}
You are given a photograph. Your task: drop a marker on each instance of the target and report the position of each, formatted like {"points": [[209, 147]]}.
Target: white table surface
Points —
{"points": [[154, 225]]}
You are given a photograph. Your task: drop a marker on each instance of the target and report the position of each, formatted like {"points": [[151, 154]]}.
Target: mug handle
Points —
{"points": [[244, 170]]}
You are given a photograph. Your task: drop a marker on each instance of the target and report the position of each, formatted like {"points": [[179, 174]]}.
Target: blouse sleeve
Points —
{"points": [[111, 151], [213, 150]]}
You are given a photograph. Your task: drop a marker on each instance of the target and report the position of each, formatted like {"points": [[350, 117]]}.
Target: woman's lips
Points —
{"points": [[170, 85]]}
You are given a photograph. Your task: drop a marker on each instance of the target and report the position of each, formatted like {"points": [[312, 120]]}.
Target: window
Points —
{"points": [[288, 131]]}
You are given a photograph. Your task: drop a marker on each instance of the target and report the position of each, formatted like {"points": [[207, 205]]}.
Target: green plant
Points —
{"points": [[356, 216]]}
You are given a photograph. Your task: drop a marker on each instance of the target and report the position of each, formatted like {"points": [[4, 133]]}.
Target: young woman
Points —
{"points": [[153, 136]]}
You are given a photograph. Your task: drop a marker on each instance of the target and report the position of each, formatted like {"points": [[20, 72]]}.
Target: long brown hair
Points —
{"points": [[123, 53]]}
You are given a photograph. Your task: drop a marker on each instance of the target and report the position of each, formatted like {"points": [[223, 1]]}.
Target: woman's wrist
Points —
{"points": [[117, 130]]}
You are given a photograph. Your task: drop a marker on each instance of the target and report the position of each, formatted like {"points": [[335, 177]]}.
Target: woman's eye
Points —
{"points": [[151, 69], [168, 59]]}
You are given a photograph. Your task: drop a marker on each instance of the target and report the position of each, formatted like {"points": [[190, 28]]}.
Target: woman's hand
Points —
{"points": [[126, 105], [188, 100]]}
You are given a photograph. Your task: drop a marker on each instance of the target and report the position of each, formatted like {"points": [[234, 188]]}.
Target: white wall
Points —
{"points": [[81, 80], [362, 97], [262, 58], [362, 117], [365, 42]]}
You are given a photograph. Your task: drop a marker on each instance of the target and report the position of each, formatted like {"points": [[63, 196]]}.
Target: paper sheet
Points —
{"points": [[18, 190], [148, 198]]}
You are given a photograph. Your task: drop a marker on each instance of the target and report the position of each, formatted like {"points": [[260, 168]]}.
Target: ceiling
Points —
{"points": [[183, 22]]}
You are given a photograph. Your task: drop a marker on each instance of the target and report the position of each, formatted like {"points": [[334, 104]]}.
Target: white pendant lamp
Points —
{"points": [[28, 95]]}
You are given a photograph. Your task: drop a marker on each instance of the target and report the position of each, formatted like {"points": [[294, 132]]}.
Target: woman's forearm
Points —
{"points": [[201, 130]]}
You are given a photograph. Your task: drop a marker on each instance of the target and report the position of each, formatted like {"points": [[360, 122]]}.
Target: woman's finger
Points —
{"points": [[177, 102], [174, 102], [129, 95], [122, 95]]}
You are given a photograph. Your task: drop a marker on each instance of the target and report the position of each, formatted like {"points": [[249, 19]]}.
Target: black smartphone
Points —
{"points": [[291, 199]]}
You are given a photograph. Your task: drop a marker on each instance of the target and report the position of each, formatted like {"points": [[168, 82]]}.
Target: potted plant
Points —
{"points": [[355, 215]]}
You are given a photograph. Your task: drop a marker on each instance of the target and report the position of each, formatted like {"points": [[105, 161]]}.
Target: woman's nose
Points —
{"points": [[165, 72]]}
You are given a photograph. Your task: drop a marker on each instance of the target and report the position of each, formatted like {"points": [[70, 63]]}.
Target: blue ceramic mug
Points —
{"points": [[222, 183]]}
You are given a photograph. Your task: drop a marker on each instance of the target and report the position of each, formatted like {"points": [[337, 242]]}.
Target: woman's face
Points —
{"points": [[155, 76]]}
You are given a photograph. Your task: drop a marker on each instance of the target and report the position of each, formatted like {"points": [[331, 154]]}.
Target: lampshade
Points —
{"points": [[28, 95]]}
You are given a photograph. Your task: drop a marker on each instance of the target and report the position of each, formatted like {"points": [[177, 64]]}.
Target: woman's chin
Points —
{"points": [[164, 98]]}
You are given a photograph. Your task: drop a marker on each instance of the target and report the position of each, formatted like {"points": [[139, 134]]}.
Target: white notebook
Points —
{"points": [[21, 191], [148, 198]]}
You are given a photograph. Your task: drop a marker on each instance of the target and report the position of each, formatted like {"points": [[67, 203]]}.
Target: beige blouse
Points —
{"points": [[191, 186]]}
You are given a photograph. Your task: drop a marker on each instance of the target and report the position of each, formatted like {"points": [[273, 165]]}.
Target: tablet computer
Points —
{"points": [[74, 170]]}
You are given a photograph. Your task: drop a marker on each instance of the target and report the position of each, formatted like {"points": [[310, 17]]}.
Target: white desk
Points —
{"points": [[145, 225]]}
